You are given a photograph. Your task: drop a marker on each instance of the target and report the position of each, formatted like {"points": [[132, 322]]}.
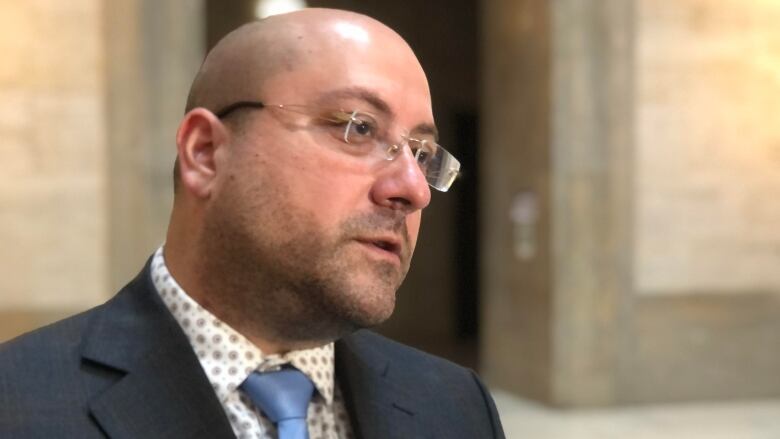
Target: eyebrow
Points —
{"points": [[426, 128], [379, 105]]}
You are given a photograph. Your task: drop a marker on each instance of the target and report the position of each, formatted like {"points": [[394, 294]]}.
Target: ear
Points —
{"points": [[199, 137]]}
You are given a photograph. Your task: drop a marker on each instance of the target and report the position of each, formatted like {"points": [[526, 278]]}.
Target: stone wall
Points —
{"points": [[708, 147], [53, 225], [91, 92]]}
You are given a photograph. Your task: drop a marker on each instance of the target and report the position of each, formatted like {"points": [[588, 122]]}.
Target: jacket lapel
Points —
{"points": [[379, 407], [163, 392]]}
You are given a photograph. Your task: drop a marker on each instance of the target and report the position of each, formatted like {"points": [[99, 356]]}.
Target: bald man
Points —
{"points": [[305, 158]]}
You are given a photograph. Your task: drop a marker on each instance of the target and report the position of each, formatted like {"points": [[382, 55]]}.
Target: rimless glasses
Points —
{"points": [[361, 135]]}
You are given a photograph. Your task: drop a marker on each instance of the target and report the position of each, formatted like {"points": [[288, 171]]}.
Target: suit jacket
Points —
{"points": [[125, 369]]}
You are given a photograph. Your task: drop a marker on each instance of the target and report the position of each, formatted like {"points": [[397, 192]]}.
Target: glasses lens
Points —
{"points": [[424, 152], [437, 164], [442, 169], [361, 130]]}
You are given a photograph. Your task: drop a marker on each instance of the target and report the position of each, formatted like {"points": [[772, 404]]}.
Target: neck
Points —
{"points": [[200, 281]]}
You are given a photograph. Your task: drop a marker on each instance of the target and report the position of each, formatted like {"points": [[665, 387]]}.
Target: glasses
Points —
{"points": [[362, 135]]}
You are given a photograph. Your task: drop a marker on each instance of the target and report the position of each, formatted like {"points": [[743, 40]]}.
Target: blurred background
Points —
{"points": [[609, 260]]}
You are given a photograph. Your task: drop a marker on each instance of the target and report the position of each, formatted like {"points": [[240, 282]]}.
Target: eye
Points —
{"points": [[360, 128], [423, 151], [353, 128]]}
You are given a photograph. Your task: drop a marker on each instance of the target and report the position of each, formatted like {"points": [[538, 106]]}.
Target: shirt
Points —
{"points": [[228, 358]]}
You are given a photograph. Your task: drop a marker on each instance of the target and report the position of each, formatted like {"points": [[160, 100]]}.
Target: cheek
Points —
{"points": [[327, 185], [330, 202], [305, 178], [413, 226]]}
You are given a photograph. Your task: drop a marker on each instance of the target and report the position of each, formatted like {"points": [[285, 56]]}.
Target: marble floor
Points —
{"points": [[731, 420]]}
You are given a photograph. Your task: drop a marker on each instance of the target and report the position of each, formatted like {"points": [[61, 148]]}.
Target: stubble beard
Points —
{"points": [[307, 288]]}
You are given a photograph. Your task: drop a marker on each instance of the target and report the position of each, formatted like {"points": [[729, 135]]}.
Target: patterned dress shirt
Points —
{"points": [[228, 358]]}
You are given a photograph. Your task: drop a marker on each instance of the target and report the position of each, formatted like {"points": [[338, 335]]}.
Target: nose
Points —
{"points": [[401, 184]]}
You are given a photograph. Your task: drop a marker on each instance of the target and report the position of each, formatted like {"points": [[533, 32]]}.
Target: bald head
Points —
{"points": [[312, 46], [240, 64]]}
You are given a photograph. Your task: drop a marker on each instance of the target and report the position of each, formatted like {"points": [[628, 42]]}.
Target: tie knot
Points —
{"points": [[281, 395]]}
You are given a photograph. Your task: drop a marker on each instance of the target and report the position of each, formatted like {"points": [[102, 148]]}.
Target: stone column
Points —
{"points": [[557, 121], [629, 203], [591, 150], [516, 348], [153, 52]]}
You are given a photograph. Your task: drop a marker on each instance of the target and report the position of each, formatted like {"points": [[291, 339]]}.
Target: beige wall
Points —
{"points": [[91, 92], [708, 147], [53, 226]]}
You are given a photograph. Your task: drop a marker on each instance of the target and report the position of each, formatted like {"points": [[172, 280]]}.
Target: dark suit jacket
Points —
{"points": [[125, 369]]}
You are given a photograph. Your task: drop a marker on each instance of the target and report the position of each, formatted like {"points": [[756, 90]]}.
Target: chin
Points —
{"points": [[373, 317], [369, 308], [354, 295]]}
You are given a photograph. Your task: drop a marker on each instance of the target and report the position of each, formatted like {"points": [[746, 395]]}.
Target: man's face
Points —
{"points": [[322, 236]]}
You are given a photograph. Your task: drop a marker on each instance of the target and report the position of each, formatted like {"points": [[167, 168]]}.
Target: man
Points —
{"points": [[304, 161]]}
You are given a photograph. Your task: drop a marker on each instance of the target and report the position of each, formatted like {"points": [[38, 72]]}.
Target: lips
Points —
{"points": [[387, 244]]}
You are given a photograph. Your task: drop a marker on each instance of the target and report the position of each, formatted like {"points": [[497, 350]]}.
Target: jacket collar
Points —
{"points": [[162, 392], [379, 405]]}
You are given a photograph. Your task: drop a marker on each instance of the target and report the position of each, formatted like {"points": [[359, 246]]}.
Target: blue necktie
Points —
{"points": [[284, 397]]}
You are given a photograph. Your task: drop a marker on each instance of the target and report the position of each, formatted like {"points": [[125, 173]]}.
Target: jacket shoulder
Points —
{"points": [[374, 344], [448, 395], [51, 344]]}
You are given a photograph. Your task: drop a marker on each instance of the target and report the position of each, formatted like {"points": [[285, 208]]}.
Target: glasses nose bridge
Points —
{"points": [[396, 150], [393, 150]]}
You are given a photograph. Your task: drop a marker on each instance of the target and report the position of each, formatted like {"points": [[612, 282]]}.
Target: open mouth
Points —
{"points": [[387, 246]]}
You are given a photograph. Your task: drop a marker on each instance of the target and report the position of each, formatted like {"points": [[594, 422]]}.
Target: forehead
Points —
{"points": [[379, 71]]}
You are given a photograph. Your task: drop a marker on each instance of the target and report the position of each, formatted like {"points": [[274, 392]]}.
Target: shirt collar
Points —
{"points": [[226, 356]]}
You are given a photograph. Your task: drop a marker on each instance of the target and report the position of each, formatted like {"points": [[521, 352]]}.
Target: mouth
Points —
{"points": [[386, 246]]}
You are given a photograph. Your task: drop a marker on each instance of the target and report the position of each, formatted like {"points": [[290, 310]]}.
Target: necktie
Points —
{"points": [[284, 397]]}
